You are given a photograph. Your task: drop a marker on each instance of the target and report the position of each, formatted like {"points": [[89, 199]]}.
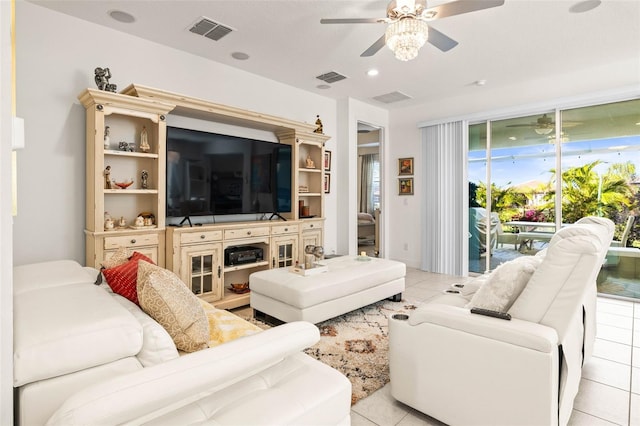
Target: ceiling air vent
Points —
{"points": [[331, 77], [392, 97], [210, 29]]}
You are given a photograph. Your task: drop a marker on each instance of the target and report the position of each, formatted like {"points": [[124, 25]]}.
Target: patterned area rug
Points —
{"points": [[357, 345]]}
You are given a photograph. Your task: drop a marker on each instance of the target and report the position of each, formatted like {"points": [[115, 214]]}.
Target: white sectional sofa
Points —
{"points": [[84, 355]]}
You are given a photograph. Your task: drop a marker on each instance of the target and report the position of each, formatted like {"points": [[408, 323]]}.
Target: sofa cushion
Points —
{"points": [[168, 300], [55, 273], [568, 264], [157, 345], [121, 256], [503, 286], [225, 326], [123, 278], [60, 330]]}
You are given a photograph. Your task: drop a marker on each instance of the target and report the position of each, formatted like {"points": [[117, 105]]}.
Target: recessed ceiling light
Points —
{"points": [[241, 56], [121, 16], [585, 6], [512, 138], [373, 72], [480, 82], [323, 86]]}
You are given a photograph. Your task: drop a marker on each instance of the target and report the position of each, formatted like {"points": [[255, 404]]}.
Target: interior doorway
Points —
{"points": [[369, 194]]}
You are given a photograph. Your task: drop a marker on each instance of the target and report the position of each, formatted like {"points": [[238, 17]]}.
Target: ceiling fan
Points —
{"points": [[408, 31], [544, 125]]}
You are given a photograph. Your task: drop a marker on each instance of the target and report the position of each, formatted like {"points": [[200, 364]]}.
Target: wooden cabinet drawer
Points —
{"points": [[200, 237], [284, 229], [232, 234], [150, 252], [308, 225], [134, 240]]}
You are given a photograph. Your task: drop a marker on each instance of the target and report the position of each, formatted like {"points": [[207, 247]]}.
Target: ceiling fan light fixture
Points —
{"points": [[543, 130], [406, 36]]}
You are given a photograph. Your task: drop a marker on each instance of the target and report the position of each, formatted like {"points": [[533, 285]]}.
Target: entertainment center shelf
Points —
{"points": [[118, 128], [281, 245]]}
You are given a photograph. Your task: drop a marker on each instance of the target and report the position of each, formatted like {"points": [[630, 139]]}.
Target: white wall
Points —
{"points": [[6, 287], [56, 56]]}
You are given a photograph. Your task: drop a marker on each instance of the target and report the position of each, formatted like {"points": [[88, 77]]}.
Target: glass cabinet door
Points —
{"points": [[285, 251], [202, 273], [203, 270]]}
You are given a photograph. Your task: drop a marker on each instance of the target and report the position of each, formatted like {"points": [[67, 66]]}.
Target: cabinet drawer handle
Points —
{"points": [[286, 229], [133, 241], [248, 232], [202, 237], [311, 226]]}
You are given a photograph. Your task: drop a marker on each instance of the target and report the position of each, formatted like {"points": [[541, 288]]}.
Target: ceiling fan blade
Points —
{"points": [[373, 49], [441, 41], [352, 21], [463, 6]]}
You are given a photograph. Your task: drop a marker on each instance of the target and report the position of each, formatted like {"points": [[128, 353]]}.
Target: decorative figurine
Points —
{"points": [[139, 221], [123, 146], [310, 163], [107, 180], [123, 222], [319, 124], [144, 140], [108, 224], [107, 139], [131, 147], [144, 179], [102, 76]]}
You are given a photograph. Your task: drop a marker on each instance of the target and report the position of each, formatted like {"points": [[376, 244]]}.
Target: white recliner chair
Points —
{"points": [[467, 369]]}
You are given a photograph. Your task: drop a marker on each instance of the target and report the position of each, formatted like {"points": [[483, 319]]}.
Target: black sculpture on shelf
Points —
{"points": [[102, 76]]}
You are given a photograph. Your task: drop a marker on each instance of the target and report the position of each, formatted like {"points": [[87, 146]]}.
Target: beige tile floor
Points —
{"points": [[610, 389]]}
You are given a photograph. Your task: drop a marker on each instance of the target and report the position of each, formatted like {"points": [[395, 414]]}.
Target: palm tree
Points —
{"points": [[585, 192], [506, 201]]}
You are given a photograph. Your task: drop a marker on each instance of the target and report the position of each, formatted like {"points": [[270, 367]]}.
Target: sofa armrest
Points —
{"points": [[517, 332], [165, 387]]}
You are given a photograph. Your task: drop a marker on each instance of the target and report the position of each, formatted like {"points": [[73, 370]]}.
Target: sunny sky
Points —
{"points": [[514, 166]]}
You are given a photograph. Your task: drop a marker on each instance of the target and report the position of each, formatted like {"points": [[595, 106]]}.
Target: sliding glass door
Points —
{"points": [[519, 166], [600, 165], [538, 172]]}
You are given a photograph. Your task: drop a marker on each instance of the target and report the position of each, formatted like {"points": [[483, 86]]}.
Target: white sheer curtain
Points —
{"points": [[445, 218], [369, 162]]}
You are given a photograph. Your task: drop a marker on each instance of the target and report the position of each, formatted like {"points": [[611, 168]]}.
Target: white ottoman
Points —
{"points": [[348, 284]]}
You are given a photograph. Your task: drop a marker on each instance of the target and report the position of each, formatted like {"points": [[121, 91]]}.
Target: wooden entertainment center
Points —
{"points": [[196, 253]]}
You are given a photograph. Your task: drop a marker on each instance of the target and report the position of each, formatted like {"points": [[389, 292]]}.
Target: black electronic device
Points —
{"points": [[490, 313], [214, 174], [239, 255]]}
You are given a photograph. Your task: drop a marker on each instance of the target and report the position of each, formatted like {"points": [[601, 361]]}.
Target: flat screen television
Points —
{"points": [[214, 174]]}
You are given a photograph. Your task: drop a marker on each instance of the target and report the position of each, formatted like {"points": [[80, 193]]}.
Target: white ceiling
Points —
{"points": [[520, 41]]}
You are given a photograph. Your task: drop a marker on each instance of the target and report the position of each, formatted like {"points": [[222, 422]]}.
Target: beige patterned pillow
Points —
{"points": [[167, 300], [120, 257]]}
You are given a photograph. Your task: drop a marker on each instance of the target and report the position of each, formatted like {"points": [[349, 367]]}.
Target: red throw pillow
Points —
{"points": [[123, 278]]}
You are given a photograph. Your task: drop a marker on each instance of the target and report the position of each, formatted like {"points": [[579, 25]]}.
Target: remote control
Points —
{"points": [[490, 313]]}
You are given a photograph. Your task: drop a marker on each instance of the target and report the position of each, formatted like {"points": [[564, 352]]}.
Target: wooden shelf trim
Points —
{"points": [[130, 154], [222, 113]]}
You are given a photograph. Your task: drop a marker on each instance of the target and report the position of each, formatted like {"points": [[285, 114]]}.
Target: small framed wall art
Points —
{"points": [[327, 161], [327, 183], [405, 186], [405, 166]]}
